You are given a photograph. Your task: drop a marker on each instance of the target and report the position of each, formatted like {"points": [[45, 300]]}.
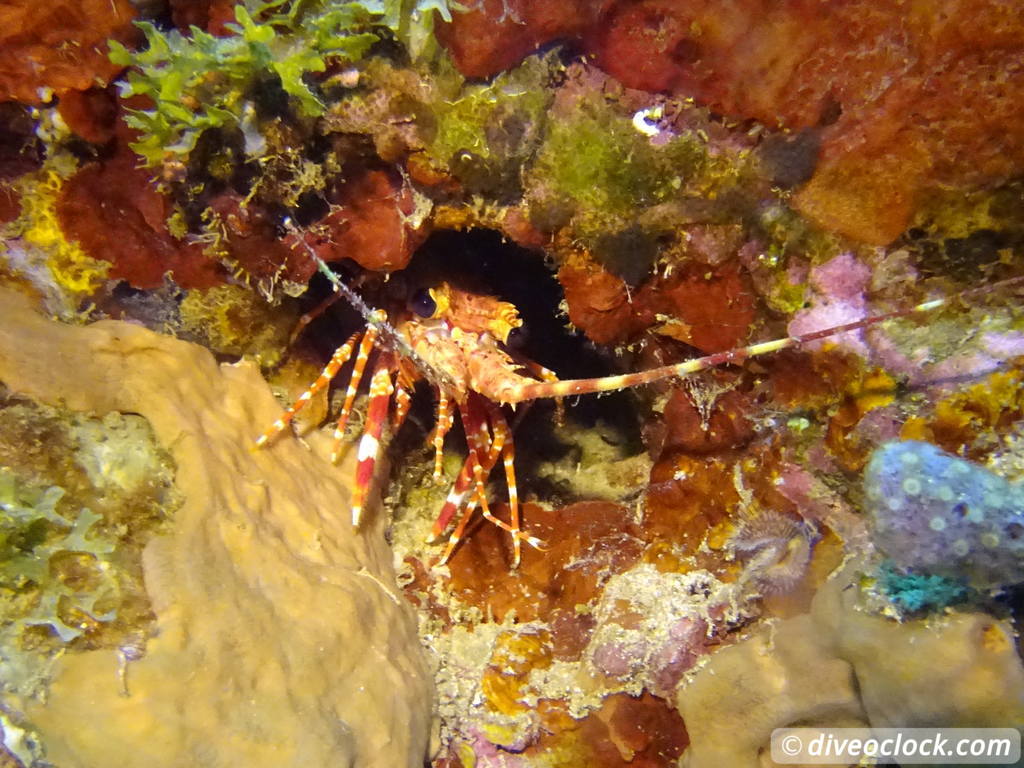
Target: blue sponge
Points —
{"points": [[934, 513]]}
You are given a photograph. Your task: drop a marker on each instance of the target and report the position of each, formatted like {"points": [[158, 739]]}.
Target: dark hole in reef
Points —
{"points": [[311, 208], [960, 510], [629, 254], [970, 259], [269, 96], [20, 150], [212, 165], [967, 254], [158, 13], [790, 159], [831, 111], [1015, 531], [1012, 599], [686, 51], [483, 262]]}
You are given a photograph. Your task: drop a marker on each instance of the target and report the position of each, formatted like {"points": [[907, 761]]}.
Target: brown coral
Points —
{"points": [[709, 308], [842, 666], [496, 34], [901, 101], [247, 239], [90, 114], [210, 15], [899, 94], [596, 536]]}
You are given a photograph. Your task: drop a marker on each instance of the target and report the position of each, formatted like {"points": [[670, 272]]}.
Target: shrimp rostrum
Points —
{"points": [[458, 342]]}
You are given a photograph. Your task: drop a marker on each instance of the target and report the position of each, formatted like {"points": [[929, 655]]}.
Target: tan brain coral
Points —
{"points": [[281, 637]]}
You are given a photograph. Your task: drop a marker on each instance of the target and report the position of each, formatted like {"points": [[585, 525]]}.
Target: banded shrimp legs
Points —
{"points": [[457, 341]]}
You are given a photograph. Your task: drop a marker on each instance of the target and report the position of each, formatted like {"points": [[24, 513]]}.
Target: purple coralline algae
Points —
{"points": [[938, 514]]}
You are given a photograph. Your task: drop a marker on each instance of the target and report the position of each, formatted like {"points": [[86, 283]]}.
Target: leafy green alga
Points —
{"points": [[198, 81]]}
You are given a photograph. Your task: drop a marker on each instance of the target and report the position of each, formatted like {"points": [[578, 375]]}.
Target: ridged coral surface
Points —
{"points": [[281, 638]]}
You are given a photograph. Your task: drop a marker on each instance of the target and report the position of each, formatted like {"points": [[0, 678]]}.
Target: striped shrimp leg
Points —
{"points": [[453, 502], [381, 390], [403, 401], [475, 472], [502, 434], [338, 359], [465, 481], [445, 418], [478, 437], [365, 348]]}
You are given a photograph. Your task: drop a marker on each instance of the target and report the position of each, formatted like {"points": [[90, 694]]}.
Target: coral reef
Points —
{"points": [[259, 546], [851, 78], [27, 556], [792, 676], [80, 497], [676, 181], [231, 320], [200, 83], [112, 212], [38, 227]]}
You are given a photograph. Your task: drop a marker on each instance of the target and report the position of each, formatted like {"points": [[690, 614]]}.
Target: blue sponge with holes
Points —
{"points": [[934, 513]]}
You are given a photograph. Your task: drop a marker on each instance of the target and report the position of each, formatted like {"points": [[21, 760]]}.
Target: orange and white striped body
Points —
{"points": [[458, 344]]}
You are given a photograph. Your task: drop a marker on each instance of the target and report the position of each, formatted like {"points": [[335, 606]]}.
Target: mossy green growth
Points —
{"points": [[79, 498], [599, 159], [486, 133], [596, 168], [233, 320], [786, 236]]}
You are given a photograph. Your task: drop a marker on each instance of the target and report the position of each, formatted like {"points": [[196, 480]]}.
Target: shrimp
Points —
{"points": [[458, 342]]}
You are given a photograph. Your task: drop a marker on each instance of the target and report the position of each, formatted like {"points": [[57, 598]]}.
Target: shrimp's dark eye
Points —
{"points": [[517, 337], [423, 303]]}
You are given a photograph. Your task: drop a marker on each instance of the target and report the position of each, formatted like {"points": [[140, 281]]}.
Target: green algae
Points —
{"points": [[486, 133], [594, 160], [202, 82], [264, 68], [626, 185], [79, 497]]}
